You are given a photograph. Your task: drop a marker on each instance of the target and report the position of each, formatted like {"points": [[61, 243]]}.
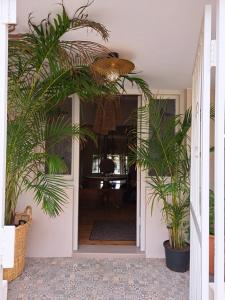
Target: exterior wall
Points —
{"points": [[156, 231], [5, 289], [57, 237], [188, 95], [53, 237], [49, 237]]}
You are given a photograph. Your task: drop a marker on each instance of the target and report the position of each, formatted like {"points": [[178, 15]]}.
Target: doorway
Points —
{"points": [[108, 205]]}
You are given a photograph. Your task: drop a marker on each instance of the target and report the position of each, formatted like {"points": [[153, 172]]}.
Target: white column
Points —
{"points": [[205, 145], [76, 168], [219, 152], [3, 119], [200, 133], [7, 15]]}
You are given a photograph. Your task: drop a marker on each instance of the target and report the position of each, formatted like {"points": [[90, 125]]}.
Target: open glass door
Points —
{"points": [[123, 195], [199, 197]]}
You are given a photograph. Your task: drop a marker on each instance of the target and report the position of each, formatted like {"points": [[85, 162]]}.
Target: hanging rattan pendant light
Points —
{"points": [[112, 66]]}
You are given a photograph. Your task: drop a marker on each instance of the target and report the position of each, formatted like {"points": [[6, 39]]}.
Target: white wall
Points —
{"points": [[156, 231], [49, 237], [188, 104]]}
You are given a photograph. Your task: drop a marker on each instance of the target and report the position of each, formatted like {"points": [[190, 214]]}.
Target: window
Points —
{"points": [[95, 164], [64, 147], [165, 110], [120, 161]]}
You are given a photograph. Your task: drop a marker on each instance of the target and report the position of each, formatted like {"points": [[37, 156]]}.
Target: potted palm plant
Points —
{"points": [[44, 70], [165, 155]]}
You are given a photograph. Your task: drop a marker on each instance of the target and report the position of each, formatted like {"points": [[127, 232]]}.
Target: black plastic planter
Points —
{"points": [[177, 260]]}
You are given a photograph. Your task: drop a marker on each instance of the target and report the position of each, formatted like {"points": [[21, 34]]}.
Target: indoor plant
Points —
{"points": [[165, 155]]}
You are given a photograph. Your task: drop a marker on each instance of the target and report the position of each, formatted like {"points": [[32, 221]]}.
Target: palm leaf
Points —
{"points": [[161, 149]]}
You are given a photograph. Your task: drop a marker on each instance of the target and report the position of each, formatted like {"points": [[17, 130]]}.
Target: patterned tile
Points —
{"points": [[98, 279]]}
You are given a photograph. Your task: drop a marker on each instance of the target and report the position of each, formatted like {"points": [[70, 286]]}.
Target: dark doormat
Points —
{"points": [[113, 231]]}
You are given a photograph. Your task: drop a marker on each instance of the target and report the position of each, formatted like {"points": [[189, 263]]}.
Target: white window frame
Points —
{"points": [[151, 244]]}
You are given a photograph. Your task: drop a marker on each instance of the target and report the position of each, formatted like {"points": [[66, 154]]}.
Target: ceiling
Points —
{"points": [[159, 36]]}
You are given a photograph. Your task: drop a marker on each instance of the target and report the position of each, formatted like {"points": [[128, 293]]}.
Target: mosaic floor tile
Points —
{"points": [[98, 279]]}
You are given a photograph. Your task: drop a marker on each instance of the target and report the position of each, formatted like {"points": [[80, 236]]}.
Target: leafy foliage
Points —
{"points": [[163, 150], [44, 69]]}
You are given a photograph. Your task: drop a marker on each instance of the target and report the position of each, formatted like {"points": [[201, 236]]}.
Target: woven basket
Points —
{"points": [[20, 244]]}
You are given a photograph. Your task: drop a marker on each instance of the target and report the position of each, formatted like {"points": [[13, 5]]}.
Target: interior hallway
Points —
{"points": [[88, 216]]}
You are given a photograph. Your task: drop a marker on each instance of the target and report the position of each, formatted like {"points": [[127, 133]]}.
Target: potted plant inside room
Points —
{"points": [[166, 158]]}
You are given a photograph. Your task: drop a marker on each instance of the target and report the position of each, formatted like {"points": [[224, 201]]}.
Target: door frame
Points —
{"points": [[156, 230], [76, 172], [140, 208]]}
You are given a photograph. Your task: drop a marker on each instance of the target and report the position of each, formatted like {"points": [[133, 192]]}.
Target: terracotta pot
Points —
{"points": [[211, 254]]}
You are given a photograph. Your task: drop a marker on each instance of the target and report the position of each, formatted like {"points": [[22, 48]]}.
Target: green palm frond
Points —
{"points": [[49, 191], [161, 149], [44, 69], [43, 42], [140, 83]]}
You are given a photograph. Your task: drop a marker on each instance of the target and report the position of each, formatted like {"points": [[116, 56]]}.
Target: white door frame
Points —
{"points": [[199, 181], [177, 95], [219, 152], [76, 173], [73, 178], [140, 209], [140, 204]]}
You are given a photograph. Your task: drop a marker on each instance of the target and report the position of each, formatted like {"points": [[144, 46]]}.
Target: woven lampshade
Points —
{"points": [[112, 67]]}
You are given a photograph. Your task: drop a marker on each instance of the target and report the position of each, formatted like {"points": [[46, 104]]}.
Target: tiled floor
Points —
{"points": [[132, 278]]}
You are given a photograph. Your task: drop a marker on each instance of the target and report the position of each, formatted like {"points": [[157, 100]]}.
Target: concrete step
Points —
{"points": [[108, 251]]}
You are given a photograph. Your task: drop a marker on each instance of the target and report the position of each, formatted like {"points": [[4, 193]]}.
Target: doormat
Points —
{"points": [[113, 231]]}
